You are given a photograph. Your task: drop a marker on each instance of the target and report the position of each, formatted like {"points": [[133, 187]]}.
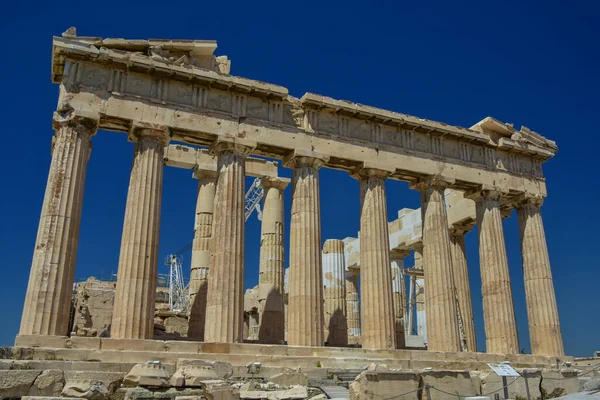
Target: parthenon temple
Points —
{"points": [[182, 108]]}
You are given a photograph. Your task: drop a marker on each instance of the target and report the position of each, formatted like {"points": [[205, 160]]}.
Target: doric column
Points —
{"points": [[205, 205], [225, 299], [440, 301], [334, 288], [462, 286], [133, 312], [377, 312], [498, 310], [305, 298], [399, 299], [352, 306], [544, 326], [48, 298], [270, 284]]}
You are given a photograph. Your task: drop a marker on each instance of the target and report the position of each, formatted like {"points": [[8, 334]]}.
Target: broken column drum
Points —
{"points": [[205, 205], [399, 299], [462, 286], [352, 305], [271, 273], [334, 289]]}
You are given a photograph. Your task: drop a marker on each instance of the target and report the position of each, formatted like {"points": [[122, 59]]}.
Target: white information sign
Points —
{"points": [[504, 370]]}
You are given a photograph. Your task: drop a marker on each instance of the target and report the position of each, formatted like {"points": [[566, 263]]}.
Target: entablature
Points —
{"points": [[198, 105]]}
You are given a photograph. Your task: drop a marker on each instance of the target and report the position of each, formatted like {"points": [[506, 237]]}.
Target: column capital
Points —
{"points": [[304, 158], [485, 192], [432, 181], [527, 199], [399, 254], [149, 131], [204, 174], [416, 245], [371, 170], [236, 145], [459, 230], [81, 120], [273, 182]]}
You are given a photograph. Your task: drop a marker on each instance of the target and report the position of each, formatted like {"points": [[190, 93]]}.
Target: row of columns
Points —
{"points": [[222, 252]]}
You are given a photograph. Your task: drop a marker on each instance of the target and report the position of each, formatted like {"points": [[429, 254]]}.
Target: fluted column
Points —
{"points": [[225, 299], [48, 297], [352, 306], [205, 205], [498, 309], [334, 289], [462, 285], [544, 325], [399, 298], [270, 284], [440, 301], [133, 312], [377, 312], [305, 298]]}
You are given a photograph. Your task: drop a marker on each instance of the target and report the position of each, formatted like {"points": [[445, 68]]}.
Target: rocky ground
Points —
{"points": [[198, 379]]}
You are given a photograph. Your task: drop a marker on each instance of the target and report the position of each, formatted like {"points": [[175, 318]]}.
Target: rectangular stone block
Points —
{"points": [[132, 344], [450, 383], [90, 343], [382, 385], [220, 348], [55, 342], [176, 346], [491, 382], [559, 383], [418, 355], [48, 398]]}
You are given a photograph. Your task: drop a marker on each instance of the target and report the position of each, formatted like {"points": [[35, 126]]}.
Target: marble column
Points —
{"points": [[419, 289], [440, 301], [352, 306], [205, 205], [377, 310], [462, 285], [544, 325], [270, 284], [48, 297], [133, 312], [305, 297], [334, 290], [225, 298], [399, 298], [498, 309]]}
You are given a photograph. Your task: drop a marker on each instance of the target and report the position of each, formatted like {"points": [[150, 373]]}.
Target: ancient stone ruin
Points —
{"points": [[158, 91]]}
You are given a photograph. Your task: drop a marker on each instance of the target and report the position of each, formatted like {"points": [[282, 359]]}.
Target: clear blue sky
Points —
{"points": [[534, 64]]}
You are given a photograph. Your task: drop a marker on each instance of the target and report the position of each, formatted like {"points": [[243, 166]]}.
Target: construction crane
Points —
{"points": [[178, 291], [253, 197]]}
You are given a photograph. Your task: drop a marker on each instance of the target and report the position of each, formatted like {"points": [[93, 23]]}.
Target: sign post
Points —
{"points": [[504, 370]]}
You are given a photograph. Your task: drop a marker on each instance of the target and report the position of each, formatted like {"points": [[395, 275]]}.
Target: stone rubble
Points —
{"points": [[152, 374], [48, 383]]}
